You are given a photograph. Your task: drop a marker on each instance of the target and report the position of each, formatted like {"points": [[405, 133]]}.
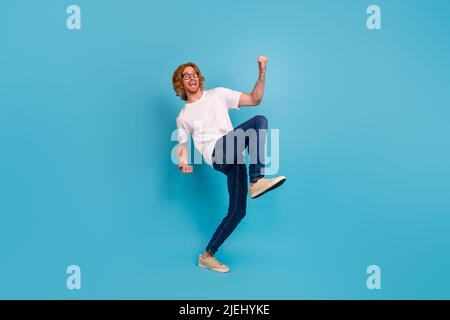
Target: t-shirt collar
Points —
{"points": [[201, 98]]}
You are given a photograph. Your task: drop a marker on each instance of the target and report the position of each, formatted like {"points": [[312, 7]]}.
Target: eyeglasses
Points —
{"points": [[187, 76]]}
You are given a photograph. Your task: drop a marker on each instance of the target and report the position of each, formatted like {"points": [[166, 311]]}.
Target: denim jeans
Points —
{"points": [[236, 172]]}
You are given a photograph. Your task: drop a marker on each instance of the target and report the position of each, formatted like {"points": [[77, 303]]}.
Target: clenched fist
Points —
{"points": [[185, 168], [262, 62]]}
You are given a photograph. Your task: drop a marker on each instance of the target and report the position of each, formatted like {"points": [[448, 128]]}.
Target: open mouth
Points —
{"points": [[193, 84]]}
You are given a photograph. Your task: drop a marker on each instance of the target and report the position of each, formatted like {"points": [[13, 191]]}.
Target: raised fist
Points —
{"points": [[262, 62]]}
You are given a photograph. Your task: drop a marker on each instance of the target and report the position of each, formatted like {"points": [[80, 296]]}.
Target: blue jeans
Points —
{"points": [[236, 172]]}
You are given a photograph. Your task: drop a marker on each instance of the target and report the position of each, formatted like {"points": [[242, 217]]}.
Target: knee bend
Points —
{"points": [[262, 121], [239, 214]]}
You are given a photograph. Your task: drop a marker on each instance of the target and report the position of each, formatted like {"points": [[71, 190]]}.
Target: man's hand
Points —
{"points": [[262, 62], [185, 168], [182, 159]]}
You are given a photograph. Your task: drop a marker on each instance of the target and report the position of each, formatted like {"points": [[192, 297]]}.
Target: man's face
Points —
{"points": [[190, 80]]}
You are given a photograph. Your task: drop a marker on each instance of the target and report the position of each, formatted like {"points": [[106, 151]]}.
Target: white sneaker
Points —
{"points": [[212, 264], [264, 185]]}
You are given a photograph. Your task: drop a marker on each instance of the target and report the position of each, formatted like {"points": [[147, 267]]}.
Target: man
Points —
{"points": [[205, 117]]}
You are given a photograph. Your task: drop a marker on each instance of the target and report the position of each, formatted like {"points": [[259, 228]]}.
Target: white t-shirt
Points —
{"points": [[207, 119]]}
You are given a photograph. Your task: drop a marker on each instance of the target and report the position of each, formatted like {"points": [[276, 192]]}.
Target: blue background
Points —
{"points": [[86, 176]]}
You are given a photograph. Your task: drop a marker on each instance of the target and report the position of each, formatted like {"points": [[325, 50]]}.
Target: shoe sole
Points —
{"points": [[212, 268], [270, 188]]}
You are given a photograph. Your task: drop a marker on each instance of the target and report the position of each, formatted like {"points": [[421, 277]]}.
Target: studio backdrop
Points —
{"points": [[92, 205]]}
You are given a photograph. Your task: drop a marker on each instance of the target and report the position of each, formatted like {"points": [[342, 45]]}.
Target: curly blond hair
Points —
{"points": [[177, 79]]}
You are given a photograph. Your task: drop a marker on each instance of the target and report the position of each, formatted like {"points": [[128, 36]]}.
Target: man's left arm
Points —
{"points": [[255, 97]]}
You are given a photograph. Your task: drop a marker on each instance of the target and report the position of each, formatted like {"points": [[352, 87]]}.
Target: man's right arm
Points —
{"points": [[183, 158]]}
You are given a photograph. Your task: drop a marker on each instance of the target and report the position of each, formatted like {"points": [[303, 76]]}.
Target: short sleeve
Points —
{"points": [[231, 97], [183, 133]]}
